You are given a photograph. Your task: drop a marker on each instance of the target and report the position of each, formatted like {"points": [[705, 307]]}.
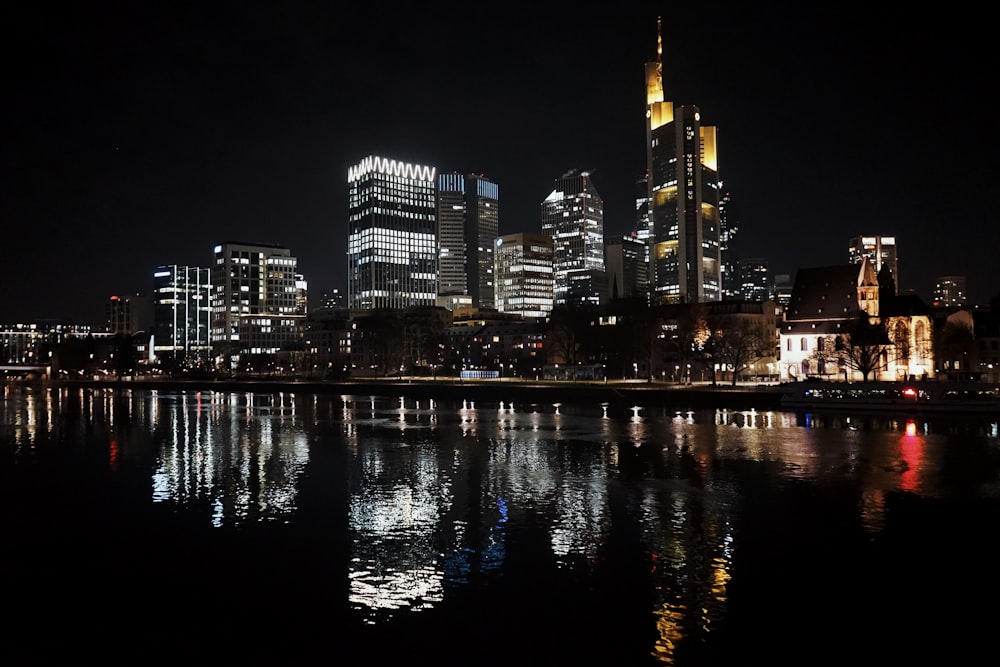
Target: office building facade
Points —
{"points": [[781, 289], [728, 229], [625, 265], [949, 292], [392, 235], [128, 314], [754, 279], [524, 276], [468, 223], [573, 216], [642, 228], [182, 313], [684, 198], [258, 300]]}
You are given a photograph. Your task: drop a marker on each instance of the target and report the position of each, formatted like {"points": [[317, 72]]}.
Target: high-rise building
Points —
{"points": [[573, 216], [524, 281], [642, 227], [468, 218], [949, 292], [625, 264], [781, 289], [881, 253], [392, 234], [727, 234], [128, 314], [754, 279], [258, 300], [684, 197], [182, 313]]}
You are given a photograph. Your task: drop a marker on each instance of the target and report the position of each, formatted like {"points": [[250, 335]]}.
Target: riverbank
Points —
{"points": [[681, 396]]}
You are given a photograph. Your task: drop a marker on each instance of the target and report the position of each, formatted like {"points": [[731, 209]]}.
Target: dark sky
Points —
{"points": [[140, 134]]}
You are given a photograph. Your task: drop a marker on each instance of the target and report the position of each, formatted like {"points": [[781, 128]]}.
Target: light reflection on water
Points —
{"points": [[439, 494]]}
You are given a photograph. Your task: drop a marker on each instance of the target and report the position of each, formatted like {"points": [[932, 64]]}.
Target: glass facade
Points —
{"points": [[468, 223], [392, 244], [524, 275], [182, 310], [573, 216], [258, 302]]}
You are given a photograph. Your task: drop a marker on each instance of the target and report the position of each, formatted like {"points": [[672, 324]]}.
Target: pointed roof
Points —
{"points": [[824, 300], [867, 277]]}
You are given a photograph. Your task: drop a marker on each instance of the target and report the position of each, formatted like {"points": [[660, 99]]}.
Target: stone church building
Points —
{"points": [[826, 305]]}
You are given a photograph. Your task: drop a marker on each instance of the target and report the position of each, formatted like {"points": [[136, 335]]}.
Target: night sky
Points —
{"points": [[144, 133]]}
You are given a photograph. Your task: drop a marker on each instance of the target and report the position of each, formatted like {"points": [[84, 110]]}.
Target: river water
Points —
{"points": [[148, 527]]}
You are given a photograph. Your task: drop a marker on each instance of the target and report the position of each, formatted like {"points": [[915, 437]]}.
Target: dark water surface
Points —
{"points": [[146, 527]]}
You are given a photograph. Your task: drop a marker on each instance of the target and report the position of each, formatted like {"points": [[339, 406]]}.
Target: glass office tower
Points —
{"points": [[182, 311], [468, 218], [573, 215], [258, 300], [684, 197], [392, 235], [524, 274]]}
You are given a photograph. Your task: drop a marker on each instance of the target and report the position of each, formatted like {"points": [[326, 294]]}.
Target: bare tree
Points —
{"points": [[687, 336], [737, 343], [828, 350], [865, 349], [562, 336]]}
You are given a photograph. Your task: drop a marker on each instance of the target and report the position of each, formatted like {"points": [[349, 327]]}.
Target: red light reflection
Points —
{"points": [[113, 453], [911, 449]]}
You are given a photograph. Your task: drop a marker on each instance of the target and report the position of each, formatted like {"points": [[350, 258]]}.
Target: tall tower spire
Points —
{"points": [[654, 73], [659, 47]]}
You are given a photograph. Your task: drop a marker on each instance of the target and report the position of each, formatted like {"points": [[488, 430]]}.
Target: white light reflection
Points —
{"points": [[637, 427], [582, 522], [469, 417], [394, 517], [245, 474]]}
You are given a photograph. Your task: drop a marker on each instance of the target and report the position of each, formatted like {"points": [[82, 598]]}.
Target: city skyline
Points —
{"points": [[143, 136]]}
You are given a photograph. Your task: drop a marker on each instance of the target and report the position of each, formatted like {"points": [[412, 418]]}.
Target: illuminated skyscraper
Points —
{"points": [[182, 312], [573, 215], [468, 224], [641, 234], [754, 279], [258, 300], [392, 235], [684, 197], [727, 233], [524, 274], [881, 253]]}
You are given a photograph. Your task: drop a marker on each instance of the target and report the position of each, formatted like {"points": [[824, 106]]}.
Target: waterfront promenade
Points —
{"points": [[744, 396]]}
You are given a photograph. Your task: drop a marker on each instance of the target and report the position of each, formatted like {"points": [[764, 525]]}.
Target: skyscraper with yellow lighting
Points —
{"points": [[684, 197]]}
